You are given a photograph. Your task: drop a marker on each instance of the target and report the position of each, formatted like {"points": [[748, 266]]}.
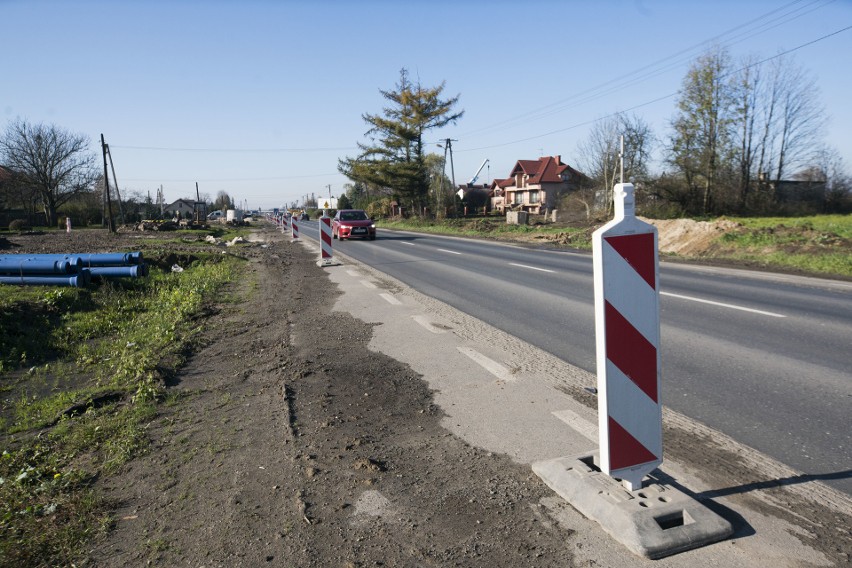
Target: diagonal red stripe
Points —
{"points": [[638, 251], [624, 449], [630, 351]]}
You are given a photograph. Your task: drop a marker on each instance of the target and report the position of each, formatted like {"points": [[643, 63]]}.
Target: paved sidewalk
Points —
{"points": [[508, 397]]}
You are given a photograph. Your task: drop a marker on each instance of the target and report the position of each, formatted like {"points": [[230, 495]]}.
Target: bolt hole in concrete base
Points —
{"points": [[658, 520], [590, 461], [672, 520]]}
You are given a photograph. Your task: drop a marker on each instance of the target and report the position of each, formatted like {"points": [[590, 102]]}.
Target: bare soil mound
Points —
{"points": [[688, 237]]}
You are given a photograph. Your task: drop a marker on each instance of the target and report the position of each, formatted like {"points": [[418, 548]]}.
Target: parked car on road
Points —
{"points": [[352, 223]]}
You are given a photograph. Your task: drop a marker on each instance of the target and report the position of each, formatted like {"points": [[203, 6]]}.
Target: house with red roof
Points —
{"points": [[534, 186]]}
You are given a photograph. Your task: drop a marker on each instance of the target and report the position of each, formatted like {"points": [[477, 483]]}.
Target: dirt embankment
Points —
{"points": [[294, 445], [687, 237]]}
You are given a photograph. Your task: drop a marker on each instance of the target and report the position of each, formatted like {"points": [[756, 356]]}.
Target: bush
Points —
{"points": [[379, 209], [19, 225]]}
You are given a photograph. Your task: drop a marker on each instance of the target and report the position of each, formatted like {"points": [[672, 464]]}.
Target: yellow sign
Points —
{"points": [[326, 205]]}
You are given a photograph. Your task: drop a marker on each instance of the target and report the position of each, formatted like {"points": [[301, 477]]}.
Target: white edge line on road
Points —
{"points": [[368, 284], [427, 323], [578, 423], [390, 299], [489, 365], [731, 306], [449, 251], [409, 244], [531, 267]]}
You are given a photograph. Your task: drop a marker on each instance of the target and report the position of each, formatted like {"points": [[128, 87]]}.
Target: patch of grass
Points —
{"points": [[494, 228], [840, 225], [831, 264], [817, 244], [81, 410]]}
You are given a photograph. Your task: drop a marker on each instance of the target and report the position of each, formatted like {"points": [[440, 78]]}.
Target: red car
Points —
{"points": [[350, 223]]}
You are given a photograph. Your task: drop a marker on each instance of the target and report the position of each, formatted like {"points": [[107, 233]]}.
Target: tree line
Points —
{"points": [[45, 170], [746, 138]]}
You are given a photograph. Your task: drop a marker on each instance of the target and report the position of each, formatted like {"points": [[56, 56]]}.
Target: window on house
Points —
{"points": [[519, 197], [534, 196]]}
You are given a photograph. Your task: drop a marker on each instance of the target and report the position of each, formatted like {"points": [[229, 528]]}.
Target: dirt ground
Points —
{"points": [[293, 444], [287, 450], [689, 237]]}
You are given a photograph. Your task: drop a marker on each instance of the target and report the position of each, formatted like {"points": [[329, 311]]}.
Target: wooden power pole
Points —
{"points": [[107, 201]]}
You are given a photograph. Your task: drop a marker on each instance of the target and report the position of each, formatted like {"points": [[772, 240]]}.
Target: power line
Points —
{"points": [[232, 150], [765, 23], [658, 99], [161, 180]]}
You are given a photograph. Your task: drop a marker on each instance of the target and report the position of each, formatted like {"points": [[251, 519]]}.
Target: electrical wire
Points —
{"points": [[765, 23], [656, 100]]}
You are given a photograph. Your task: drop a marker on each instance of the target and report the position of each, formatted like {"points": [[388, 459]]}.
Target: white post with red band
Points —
{"points": [[627, 326], [295, 227], [325, 240], [284, 223]]}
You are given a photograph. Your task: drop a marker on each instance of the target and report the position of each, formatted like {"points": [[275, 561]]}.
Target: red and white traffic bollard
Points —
{"points": [[284, 223], [325, 240], [295, 229], [627, 325]]}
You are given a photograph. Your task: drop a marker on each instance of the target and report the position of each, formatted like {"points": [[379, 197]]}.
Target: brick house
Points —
{"points": [[534, 185]]}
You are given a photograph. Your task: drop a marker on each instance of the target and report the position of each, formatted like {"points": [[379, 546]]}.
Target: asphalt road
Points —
{"points": [[763, 358]]}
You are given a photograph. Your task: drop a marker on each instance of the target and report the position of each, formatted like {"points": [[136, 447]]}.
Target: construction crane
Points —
{"points": [[476, 175]]}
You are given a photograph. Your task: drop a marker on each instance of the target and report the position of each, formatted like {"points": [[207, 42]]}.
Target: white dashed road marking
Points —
{"points": [[390, 299], [489, 365]]}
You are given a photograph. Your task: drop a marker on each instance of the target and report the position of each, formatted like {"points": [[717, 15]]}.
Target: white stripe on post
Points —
{"points": [[325, 239], [627, 326], [295, 226]]}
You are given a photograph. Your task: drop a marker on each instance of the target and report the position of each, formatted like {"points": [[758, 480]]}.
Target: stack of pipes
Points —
{"points": [[72, 269]]}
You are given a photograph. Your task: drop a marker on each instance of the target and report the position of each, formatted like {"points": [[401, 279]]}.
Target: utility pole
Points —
{"points": [[107, 201], [115, 179], [448, 147]]}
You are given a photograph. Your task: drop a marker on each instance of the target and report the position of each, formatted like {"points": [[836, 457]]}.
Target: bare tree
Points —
{"points": [[830, 169], [801, 118], [55, 163], [599, 154], [701, 143], [747, 88], [223, 201]]}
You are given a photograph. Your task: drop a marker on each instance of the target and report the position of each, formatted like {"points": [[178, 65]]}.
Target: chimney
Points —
{"points": [[558, 159]]}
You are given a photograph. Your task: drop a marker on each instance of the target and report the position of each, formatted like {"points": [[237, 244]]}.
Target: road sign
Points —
{"points": [[627, 325]]}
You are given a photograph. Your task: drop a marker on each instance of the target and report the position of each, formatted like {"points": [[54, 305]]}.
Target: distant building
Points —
{"points": [[534, 186], [183, 206]]}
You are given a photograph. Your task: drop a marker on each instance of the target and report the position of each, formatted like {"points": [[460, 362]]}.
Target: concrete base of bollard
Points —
{"points": [[328, 262], [655, 521]]}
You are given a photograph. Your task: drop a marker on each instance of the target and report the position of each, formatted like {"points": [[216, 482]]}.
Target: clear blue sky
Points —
{"points": [[260, 98]]}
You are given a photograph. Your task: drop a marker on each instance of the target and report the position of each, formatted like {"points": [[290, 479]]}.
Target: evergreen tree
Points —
{"points": [[394, 157]]}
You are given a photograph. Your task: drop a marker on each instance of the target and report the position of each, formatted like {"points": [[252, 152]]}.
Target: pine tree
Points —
{"points": [[394, 157]]}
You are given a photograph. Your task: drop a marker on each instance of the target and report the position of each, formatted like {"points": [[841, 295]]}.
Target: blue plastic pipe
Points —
{"points": [[31, 266], [89, 259], [76, 281], [136, 271]]}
